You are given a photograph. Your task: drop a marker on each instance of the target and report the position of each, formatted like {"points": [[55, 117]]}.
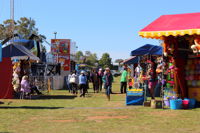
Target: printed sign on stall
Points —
{"points": [[61, 52]]}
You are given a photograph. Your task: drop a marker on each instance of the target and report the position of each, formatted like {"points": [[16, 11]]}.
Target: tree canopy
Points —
{"points": [[105, 60], [87, 58], [119, 61], [24, 27]]}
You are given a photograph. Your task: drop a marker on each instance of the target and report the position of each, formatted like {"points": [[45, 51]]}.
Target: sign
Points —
{"points": [[61, 51], [0, 52]]}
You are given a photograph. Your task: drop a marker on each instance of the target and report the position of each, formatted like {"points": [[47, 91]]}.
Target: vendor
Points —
{"points": [[152, 76]]}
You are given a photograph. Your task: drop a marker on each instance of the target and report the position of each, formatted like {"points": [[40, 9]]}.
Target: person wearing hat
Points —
{"points": [[107, 80], [82, 83]]}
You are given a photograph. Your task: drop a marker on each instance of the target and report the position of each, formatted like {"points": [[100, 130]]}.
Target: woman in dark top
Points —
{"points": [[107, 80]]}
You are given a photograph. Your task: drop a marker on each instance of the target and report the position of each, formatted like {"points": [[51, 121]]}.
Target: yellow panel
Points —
{"points": [[159, 34]]}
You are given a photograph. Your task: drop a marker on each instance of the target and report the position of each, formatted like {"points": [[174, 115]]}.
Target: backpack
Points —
{"points": [[72, 79]]}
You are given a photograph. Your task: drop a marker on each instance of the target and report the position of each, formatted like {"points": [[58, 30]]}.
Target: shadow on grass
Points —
{"points": [[29, 107], [118, 93], [43, 97]]}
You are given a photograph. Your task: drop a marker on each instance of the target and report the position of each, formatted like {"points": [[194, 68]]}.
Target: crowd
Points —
{"points": [[79, 83], [100, 79]]}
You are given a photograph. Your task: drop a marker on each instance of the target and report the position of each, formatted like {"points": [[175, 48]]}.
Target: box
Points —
{"points": [[156, 104], [147, 103], [194, 93], [134, 97]]}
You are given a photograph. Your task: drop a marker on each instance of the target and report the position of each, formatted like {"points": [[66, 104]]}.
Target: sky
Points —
{"points": [[98, 26]]}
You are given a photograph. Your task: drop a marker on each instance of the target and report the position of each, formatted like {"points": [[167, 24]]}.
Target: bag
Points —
{"points": [[72, 79]]}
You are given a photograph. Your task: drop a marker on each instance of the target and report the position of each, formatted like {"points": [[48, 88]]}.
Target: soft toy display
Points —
{"points": [[196, 46], [16, 82], [16, 74]]}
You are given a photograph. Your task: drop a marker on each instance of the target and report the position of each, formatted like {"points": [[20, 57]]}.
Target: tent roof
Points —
{"points": [[177, 24], [147, 49], [18, 52], [29, 44], [132, 60]]}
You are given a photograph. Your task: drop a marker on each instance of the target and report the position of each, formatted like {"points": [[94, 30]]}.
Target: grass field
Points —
{"points": [[62, 112]]}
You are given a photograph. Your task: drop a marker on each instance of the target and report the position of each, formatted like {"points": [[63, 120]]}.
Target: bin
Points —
{"points": [[176, 104]]}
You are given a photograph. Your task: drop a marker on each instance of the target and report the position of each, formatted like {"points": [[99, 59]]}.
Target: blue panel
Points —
{"points": [[134, 100]]}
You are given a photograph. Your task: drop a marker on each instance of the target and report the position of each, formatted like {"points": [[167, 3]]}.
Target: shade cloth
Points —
{"points": [[29, 44], [18, 52], [147, 49], [132, 60], [178, 24]]}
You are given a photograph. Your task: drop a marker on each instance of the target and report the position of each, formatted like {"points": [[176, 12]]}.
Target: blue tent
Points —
{"points": [[29, 44], [132, 60], [147, 49], [18, 52]]}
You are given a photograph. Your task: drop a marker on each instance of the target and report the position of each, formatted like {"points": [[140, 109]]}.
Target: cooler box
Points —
{"points": [[134, 97]]}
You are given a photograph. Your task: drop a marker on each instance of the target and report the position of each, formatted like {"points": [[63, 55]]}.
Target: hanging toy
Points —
{"points": [[196, 46]]}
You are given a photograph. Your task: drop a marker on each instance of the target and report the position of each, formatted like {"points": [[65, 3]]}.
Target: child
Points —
{"points": [[130, 83]]}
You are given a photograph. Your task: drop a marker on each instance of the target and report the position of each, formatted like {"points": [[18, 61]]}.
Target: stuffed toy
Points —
{"points": [[16, 82], [196, 46], [17, 64], [165, 48]]}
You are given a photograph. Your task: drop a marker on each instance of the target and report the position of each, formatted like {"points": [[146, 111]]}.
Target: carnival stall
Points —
{"points": [[180, 35], [16, 63], [144, 56]]}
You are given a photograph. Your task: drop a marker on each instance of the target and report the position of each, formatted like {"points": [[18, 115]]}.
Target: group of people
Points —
{"points": [[100, 79], [74, 82]]}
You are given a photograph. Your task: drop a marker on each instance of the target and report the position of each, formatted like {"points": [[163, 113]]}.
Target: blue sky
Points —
{"points": [[97, 25]]}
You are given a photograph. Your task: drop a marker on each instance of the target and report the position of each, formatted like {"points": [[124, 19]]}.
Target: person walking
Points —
{"points": [[69, 85], [82, 83], [123, 81], [95, 81], [107, 80], [100, 76], [74, 82]]}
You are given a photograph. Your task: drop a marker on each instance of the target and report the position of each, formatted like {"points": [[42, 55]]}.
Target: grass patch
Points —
{"points": [[63, 112]]}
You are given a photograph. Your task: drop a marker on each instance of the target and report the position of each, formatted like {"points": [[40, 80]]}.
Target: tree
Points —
{"points": [[105, 60], [78, 56], [119, 61], [2, 32], [24, 27], [91, 59], [8, 28]]}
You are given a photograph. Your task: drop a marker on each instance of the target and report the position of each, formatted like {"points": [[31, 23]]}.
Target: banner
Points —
{"points": [[0, 52], [61, 51]]}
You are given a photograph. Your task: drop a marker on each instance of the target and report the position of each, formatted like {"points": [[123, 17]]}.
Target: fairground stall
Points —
{"points": [[16, 63], [143, 59], [180, 35]]}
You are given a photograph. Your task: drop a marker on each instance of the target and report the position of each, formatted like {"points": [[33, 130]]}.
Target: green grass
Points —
{"points": [[93, 114]]}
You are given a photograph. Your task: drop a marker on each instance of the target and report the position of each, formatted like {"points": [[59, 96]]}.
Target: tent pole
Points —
{"points": [[162, 78]]}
